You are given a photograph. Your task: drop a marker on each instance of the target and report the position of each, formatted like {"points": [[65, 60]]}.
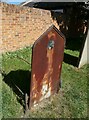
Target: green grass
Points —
{"points": [[0, 97], [10, 62], [72, 52], [70, 102]]}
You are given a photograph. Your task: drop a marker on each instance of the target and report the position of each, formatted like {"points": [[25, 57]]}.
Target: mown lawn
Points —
{"points": [[70, 102]]}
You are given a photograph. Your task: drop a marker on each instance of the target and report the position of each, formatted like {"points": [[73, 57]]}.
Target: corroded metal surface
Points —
{"points": [[47, 60]]}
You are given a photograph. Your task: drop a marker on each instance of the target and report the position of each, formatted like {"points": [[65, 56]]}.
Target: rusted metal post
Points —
{"points": [[47, 57]]}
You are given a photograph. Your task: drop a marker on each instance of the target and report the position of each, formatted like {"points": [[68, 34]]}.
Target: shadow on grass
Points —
{"points": [[19, 81], [74, 43], [69, 59]]}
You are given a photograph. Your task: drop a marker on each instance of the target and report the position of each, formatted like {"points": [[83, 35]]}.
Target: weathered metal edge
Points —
{"points": [[51, 27]]}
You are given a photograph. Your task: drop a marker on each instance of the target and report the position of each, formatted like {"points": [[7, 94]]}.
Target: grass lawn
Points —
{"points": [[70, 102]]}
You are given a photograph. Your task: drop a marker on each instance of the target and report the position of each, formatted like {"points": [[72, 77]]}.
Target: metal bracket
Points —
{"points": [[50, 44]]}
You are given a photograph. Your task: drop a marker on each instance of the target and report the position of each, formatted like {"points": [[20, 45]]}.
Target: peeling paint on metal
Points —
{"points": [[46, 65]]}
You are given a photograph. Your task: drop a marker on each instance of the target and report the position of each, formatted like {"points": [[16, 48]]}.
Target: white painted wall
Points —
{"points": [[85, 53]]}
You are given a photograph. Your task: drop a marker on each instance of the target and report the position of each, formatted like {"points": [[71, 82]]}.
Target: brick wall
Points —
{"points": [[21, 26]]}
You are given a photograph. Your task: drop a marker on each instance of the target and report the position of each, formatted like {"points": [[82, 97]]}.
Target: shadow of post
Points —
{"points": [[72, 60], [19, 81]]}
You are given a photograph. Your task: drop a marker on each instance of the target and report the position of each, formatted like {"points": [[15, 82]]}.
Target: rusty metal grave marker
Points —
{"points": [[47, 57]]}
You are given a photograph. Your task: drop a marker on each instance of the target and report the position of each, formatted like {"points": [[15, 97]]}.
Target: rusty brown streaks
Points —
{"points": [[46, 66], [51, 34]]}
